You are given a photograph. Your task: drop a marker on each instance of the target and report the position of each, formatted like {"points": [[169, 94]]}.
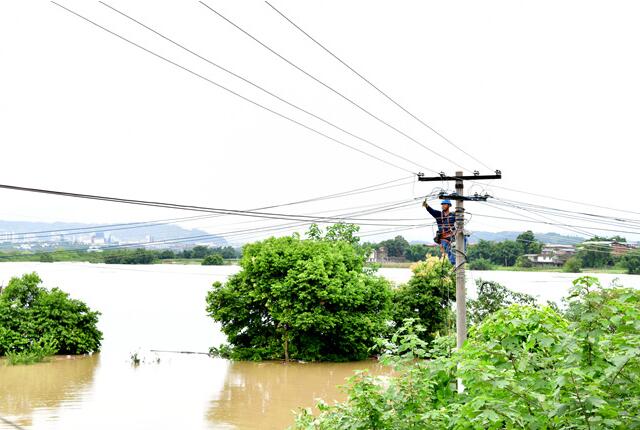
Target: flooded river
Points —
{"points": [[161, 307]]}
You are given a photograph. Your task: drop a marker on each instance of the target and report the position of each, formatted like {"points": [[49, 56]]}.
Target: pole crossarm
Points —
{"points": [[474, 198], [475, 177]]}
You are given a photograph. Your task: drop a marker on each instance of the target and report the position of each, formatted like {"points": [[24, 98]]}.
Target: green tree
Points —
{"points": [[200, 251], [491, 297], [529, 243], [213, 260], [507, 252], [30, 315], [480, 264], [396, 247], [524, 367], [594, 255], [631, 262], [300, 299], [427, 297], [419, 251], [483, 249], [572, 265]]}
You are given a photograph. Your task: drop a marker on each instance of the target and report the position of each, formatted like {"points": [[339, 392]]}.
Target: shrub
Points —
{"points": [[427, 297], [572, 265], [524, 262], [522, 368], [213, 260], [480, 264], [492, 297], [631, 262], [31, 316], [301, 299]]}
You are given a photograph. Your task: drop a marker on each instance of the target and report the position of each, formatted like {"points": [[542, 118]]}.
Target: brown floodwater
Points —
{"points": [[162, 307], [156, 308]]}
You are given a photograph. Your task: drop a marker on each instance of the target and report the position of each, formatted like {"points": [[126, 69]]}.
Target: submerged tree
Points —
{"points": [[305, 299]]}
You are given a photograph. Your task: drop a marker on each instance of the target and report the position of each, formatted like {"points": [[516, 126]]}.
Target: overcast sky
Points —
{"points": [[546, 91]]}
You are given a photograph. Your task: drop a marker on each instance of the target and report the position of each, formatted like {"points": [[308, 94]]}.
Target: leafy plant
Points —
{"points": [[31, 314], [572, 265], [491, 297], [523, 367], [480, 264], [302, 299], [36, 353], [213, 260], [427, 297]]}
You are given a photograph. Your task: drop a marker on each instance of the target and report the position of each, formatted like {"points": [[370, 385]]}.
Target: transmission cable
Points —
{"points": [[388, 97], [186, 69], [330, 87], [264, 90]]}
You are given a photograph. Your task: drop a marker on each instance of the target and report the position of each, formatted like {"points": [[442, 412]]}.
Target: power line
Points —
{"points": [[246, 80], [388, 97], [377, 118], [233, 92], [142, 224]]}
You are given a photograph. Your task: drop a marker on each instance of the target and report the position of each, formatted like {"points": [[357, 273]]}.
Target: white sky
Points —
{"points": [[546, 91]]}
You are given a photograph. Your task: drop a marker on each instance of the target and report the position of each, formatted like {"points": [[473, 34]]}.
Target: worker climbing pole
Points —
{"points": [[450, 228]]}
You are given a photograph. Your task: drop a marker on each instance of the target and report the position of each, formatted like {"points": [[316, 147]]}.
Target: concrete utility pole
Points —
{"points": [[461, 253], [461, 259]]}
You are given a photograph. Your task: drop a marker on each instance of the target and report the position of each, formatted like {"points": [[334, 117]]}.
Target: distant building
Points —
{"points": [[381, 255], [552, 255]]}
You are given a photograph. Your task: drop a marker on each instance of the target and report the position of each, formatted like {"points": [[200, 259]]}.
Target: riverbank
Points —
{"points": [[603, 270]]}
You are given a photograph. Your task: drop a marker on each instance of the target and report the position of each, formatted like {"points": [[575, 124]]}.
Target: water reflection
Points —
{"points": [[23, 389], [263, 395]]}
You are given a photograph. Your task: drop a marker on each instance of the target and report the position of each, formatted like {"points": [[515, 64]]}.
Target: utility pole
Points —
{"points": [[461, 253]]}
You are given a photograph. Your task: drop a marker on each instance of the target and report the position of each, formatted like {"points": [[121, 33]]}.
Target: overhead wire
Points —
{"points": [[330, 88], [371, 84], [235, 93], [266, 91]]}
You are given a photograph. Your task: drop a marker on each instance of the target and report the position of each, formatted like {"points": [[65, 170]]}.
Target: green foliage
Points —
{"points": [[503, 253], [427, 297], [523, 368], [492, 297], [302, 299], [594, 255], [528, 242], [213, 260], [31, 315], [572, 265], [36, 353], [419, 251], [46, 258], [396, 247], [631, 262], [480, 264], [128, 256], [523, 262]]}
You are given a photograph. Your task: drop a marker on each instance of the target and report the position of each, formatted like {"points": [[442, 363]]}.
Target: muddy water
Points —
{"points": [[162, 308]]}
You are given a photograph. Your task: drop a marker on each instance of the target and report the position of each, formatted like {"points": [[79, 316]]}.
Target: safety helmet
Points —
{"points": [[446, 202]]}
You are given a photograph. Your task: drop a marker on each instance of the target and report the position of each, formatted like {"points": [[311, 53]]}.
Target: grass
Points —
{"points": [[35, 354]]}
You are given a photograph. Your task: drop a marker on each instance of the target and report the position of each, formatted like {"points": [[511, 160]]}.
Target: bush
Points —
{"points": [[302, 299], [631, 262], [523, 368], [427, 297], [213, 260], [572, 265], [480, 264], [31, 316], [492, 297], [523, 262]]}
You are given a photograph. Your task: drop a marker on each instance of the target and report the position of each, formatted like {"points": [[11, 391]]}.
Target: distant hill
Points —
{"points": [[132, 234], [554, 238]]}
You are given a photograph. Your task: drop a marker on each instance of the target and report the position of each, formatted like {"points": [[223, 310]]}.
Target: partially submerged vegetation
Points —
{"points": [[124, 256], [36, 322], [523, 366]]}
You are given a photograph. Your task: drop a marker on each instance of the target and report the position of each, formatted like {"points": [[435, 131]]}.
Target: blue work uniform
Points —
{"points": [[446, 226]]}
